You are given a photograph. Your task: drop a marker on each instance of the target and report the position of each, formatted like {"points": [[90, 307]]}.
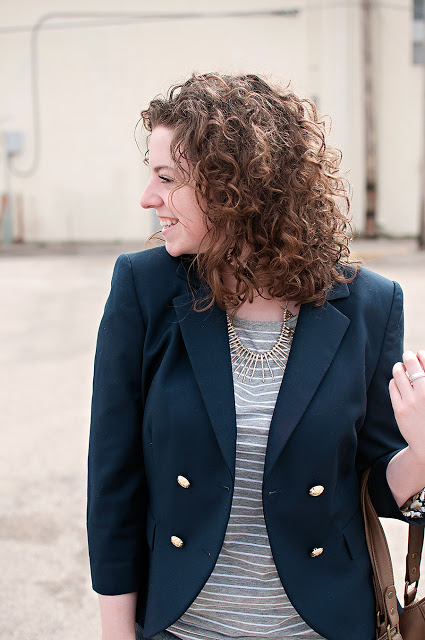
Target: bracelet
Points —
{"points": [[415, 506]]}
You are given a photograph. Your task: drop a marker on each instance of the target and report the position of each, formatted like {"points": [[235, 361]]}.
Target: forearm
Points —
{"points": [[118, 615], [405, 475]]}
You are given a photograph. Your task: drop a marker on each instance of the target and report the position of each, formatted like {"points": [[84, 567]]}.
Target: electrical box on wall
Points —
{"points": [[12, 142]]}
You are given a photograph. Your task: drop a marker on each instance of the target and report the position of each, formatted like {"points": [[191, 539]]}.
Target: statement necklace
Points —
{"points": [[245, 361]]}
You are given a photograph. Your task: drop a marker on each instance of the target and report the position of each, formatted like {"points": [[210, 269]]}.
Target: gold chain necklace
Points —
{"points": [[245, 360]]}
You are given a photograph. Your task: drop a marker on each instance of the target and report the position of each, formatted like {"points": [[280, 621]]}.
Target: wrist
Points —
{"points": [[406, 475], [415, 458]]}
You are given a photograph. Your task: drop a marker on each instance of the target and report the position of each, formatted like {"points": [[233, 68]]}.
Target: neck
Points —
{"points": [[267, 310], [262, 307]]}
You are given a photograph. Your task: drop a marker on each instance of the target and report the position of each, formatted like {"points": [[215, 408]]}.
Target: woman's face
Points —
{"points": [[183, 223]]}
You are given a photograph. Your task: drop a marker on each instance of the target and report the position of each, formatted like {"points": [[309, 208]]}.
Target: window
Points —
{"points": [[418, 9], [418, 31]]}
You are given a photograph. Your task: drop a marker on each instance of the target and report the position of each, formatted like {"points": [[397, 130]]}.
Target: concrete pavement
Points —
{"points": [[52, 301]]}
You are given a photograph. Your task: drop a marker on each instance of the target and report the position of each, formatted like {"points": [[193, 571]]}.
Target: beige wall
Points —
{"points": [[399, 123], [335, 81], [93, 82]]}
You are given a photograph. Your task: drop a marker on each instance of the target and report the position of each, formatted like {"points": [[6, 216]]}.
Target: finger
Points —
{"points": [[401, 379], [411, 362], [421, 357], [395, 395], [413, 365]]}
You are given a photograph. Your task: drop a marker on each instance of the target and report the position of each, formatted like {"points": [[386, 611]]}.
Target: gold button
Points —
{"points": [[316, 491], [177, 542], [183, 482], [317, 551]]}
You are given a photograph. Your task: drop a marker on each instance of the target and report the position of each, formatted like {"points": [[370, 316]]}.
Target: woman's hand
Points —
{"points": [[406, 471], [408, 400]]}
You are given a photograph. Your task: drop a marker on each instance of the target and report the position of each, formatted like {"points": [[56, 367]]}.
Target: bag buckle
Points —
{"points": [[407, 586], [390, 631]]}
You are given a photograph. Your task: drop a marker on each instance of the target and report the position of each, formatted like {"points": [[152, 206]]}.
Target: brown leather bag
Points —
{"points": [[410, 625]]}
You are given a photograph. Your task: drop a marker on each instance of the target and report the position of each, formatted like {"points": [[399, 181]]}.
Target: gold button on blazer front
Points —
{"points": [[316, 491], [183, 482], [177, 542]]}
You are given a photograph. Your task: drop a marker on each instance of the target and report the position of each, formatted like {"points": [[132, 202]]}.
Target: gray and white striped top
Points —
{"points": [[244, 597]]}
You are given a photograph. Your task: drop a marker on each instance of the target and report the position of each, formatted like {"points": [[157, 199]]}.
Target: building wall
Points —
{"points": [[93, 81], [400, 110], [335, 82]]}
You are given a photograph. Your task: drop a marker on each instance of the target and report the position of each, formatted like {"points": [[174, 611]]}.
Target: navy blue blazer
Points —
{"points": [[163, 406]]}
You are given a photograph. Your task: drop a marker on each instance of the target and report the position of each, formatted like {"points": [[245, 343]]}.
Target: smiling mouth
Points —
{"points": [[166, 223]]}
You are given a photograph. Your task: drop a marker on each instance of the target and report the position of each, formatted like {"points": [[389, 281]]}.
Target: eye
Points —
{"points": [[165, 180]]}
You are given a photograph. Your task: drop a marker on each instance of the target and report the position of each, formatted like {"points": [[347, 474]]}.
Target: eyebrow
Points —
{"points": [[162, 167]]}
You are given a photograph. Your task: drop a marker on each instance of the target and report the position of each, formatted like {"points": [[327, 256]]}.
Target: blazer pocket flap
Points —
{"points": [[354, 535]]}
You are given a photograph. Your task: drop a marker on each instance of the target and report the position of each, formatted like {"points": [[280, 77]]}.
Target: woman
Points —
{"points": [[241, 386]]}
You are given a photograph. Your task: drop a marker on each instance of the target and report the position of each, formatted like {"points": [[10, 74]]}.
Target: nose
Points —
{"points": [[150, 199]]}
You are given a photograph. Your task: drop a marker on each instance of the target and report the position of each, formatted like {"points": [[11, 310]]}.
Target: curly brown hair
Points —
{"points": [[275, 204]]}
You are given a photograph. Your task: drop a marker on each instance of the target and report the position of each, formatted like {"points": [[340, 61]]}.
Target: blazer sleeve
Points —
{"points": [[380, 438], [116, 483]]}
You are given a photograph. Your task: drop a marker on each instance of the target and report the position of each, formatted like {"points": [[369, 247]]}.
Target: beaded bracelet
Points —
{"points": [[415, 506]]}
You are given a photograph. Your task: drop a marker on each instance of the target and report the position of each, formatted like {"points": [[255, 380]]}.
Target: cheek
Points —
{"points": [[199, 224], [197, 217], [187, 209], [181, 203]]}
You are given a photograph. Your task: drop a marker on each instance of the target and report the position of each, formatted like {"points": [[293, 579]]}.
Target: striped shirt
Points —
{"points": [[244, 597]]}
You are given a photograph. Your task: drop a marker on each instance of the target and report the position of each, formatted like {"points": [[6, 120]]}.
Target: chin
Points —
{"points": [[180, 250], [175, 252]]}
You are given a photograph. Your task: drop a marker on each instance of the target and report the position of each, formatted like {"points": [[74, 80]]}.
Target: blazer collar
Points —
{"points": [[317, 337], [187, 272], [338, 290]]}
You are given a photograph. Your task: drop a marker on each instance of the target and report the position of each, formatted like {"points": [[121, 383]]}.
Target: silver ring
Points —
{"points": [[415, 376]]}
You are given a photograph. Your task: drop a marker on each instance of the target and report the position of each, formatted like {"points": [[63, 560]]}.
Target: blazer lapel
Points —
{"points": [[317, 337], [206, 339]]}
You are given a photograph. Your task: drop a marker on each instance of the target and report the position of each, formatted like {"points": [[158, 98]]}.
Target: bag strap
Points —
{"points": [[413, 563], [383, 577]]}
